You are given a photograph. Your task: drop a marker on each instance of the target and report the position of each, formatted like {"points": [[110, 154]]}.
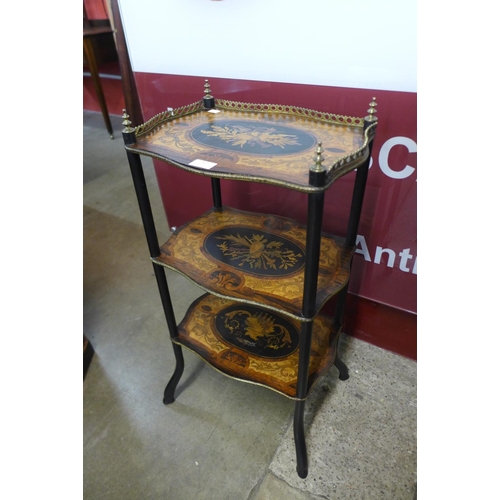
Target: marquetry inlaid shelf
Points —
{"points": [[259, 143], [254, 258], [255, 345], [266, 278]]}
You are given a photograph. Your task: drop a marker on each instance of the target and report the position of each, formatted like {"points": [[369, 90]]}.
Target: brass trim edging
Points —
{"points": [[309, 390], [301, 319], [166, 116], [350, 121], [237, 177], [232, 376], [336, 170]]}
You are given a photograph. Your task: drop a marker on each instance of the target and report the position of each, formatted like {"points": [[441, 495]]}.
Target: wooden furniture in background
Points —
{"points": [[132, 103], [89, 33], [106, 42]]}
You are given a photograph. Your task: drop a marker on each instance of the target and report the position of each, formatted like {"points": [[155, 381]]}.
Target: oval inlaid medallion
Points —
{"points": [[253, 137], [254, 251], [257, 331]]}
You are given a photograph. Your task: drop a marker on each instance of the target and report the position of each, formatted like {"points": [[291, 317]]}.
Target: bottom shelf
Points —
{"points": [[253, 344]]}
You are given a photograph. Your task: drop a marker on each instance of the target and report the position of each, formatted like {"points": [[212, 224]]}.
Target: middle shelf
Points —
{"points": [[254, 258]]}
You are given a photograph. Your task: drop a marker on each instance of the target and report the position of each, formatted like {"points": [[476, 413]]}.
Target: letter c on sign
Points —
{"points": [[383, 158]]}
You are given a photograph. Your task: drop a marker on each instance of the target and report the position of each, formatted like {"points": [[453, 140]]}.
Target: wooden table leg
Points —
{"points": [[94, 72]]}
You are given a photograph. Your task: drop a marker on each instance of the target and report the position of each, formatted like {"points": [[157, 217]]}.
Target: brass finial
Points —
{"points": [[208, 99], [371, 111], [126, 122], [318, 159], [207, 90]]}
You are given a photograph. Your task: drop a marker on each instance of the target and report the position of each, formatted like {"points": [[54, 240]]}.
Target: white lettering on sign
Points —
{"points": [[391, 256], [407, 261], [383, 157]]}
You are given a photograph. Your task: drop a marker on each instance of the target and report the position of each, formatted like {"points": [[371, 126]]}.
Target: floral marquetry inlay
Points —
{"points": [[254, 138], [262, 143], [258, 332], [254, 345], [257, 252], [241, 136], [254, 258]]}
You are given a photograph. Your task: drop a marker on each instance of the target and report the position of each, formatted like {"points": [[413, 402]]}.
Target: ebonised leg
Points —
{"points": [[338, 321], [154, 249], [313, 245], [300, 440], [342, 368], [168, 395]]}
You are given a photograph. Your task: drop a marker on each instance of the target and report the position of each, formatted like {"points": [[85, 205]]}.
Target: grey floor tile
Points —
{"points": [[273, 488], [361, 433]]}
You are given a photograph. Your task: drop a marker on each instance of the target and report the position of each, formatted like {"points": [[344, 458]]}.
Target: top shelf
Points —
{"points": [[273, 144]]}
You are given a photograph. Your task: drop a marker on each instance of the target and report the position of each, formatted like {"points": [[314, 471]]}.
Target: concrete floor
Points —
{"points": [[221, 439]]}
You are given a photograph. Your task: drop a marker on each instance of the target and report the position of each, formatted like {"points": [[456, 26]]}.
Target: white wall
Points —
{"points": [[360, 44]]}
